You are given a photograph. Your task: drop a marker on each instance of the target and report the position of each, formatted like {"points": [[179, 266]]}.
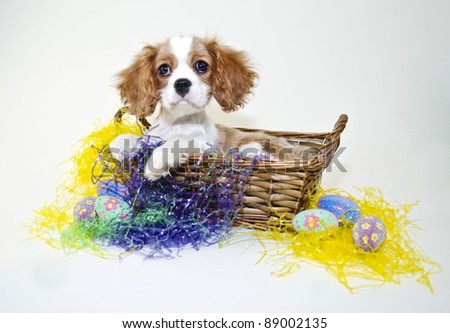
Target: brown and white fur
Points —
{"points": [[182, 74]]}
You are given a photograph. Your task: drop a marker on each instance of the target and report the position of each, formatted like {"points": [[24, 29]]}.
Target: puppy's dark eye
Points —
{"points": [[164, 70], [201, 66]]}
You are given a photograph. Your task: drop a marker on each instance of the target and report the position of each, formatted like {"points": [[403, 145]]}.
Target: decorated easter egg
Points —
{"points": [[369, 233], [109, 207], [343, 208], [113, 188], [314, 220], [85, 210]]}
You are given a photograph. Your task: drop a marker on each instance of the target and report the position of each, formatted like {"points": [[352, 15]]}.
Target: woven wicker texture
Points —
{"points": [[277, 190]]}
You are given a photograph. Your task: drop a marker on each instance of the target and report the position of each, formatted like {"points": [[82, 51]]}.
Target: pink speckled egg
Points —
{"points": [[369, 233]]}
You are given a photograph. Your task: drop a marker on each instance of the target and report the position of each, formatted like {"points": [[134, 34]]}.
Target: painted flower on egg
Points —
{"points": [[108, 207], [314, 220], [311, 222], [369, 233], [111, 204], [85, 210], [366, 226]]}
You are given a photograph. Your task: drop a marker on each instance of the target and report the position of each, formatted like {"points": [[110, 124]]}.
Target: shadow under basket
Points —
{"points": [[276, 191]]}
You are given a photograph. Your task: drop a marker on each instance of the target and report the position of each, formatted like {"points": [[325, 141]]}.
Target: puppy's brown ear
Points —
{"points": [[232, 76], [138, 84]]}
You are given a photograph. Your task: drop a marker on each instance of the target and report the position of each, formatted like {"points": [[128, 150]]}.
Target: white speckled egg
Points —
{"points": [[108, 207], [314, 220]]}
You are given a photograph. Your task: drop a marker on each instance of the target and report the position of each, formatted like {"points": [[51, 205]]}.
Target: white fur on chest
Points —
{"points": [[197, 127]]}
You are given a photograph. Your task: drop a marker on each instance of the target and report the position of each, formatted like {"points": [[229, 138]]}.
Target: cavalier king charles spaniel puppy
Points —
{"points": [[182, 74]]}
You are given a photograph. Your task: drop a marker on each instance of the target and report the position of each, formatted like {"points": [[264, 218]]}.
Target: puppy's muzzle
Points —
{"points": [[182, 86]]}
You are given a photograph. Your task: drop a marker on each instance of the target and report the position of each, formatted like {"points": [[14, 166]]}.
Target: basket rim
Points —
{"points": [[329, 144], [339, 126]]}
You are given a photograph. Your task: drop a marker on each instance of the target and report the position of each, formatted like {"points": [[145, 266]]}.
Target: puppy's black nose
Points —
{"points": [[182, 86]]}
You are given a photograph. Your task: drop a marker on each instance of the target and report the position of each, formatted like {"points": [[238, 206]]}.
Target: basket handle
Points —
{"points": [[340, 125], [119, 115]]}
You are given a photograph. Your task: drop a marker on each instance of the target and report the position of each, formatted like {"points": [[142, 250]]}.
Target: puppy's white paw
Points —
{"points": [[158, 164], [161, 162], [182, 159], [252, 150], [152, 176]]}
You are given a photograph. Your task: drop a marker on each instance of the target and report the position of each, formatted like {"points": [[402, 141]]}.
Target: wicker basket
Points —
{"points": [[276, 191]]}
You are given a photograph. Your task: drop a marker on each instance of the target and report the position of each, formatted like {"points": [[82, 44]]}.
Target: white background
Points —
{"points": [[384, 63]]}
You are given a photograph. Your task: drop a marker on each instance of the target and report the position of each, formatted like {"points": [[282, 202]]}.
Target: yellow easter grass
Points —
{"points": [[55, 217], [333, 249]]}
